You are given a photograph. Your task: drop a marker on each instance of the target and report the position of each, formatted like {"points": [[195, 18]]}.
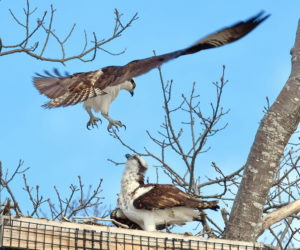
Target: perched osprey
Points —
{"points": [[99, 88], [154, 205]]}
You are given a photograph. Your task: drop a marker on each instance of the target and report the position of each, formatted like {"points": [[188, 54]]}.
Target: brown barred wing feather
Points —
{"points": [[142, 66], [52, 87], [111, 76], [72, 89], [227, 35], [169, 196], [217, 39]]}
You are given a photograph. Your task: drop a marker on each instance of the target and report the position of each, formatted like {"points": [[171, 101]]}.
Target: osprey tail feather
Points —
{"points": [[208, 204]]}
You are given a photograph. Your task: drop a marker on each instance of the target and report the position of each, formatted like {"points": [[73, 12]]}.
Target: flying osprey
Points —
{"points": [[154, 205], [99, 88]]}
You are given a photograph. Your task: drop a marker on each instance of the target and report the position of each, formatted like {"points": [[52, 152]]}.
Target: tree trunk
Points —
{"points": [[274, 132]]}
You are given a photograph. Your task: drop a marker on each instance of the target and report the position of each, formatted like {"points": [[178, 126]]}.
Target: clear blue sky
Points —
{"points": [[56, 145]]}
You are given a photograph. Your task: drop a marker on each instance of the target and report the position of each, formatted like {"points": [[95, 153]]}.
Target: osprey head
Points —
{"points": [[131, 91], [137, 162]]}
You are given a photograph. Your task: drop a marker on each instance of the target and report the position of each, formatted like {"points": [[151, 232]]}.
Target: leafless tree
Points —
{"points": [[44, 25], [80, 201], [5, 182], [263, 194], [189, 140], [263, 164]]}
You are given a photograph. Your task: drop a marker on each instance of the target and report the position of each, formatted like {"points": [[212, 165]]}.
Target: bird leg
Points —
{"points": [[113, 122], [93, 120]]}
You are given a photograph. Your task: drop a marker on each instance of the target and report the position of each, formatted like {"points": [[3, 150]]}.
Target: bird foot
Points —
{"points": [[115, 124], [93, 122]]}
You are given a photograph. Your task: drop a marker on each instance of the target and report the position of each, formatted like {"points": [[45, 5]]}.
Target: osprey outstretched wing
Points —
{"points": [[99, 88], [217, 39]]}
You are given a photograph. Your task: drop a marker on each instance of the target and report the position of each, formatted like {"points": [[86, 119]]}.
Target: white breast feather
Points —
{"points": [[102, 102], [99, 103]]}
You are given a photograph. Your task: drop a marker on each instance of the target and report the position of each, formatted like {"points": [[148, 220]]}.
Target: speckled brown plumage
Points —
{"points": [[72, 89], [168, 196]]}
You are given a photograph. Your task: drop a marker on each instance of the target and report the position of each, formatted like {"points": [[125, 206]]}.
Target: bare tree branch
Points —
{"points": [[200, 127], [31, 47], [281, 213], [172, 138], [87, 202], [5, 181]]}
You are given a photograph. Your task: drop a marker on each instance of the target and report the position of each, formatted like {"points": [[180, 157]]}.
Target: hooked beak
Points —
{"points": [[131, 92]]}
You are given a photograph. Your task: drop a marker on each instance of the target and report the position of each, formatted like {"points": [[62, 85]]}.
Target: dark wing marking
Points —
{"points": [[217, 39], [56, 72], [110, 77], [168, 196], [228, 34]]}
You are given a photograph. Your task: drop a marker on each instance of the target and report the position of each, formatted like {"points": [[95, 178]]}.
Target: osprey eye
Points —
{"points": [[133, 83]]}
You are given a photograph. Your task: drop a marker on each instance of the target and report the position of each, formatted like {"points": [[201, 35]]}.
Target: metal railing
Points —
{"points": [[29, 233]]}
